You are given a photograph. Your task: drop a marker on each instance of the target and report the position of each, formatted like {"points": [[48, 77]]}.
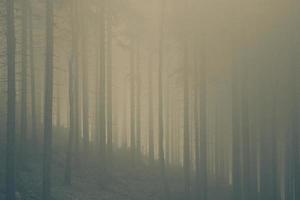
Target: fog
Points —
{"points": [[139, 99]]}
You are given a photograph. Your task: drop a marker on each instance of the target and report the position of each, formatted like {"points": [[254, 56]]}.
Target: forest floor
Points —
{"points": [[122, 181]]}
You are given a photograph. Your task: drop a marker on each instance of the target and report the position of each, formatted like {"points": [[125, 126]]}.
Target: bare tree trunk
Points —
{"points": [[11, 102], [102, 88], [196, 119], [132, 105], [236, 171], [68, 168], [295, 162], [186, 139], [85, 83], [151, 136], [23, 141], [109, 85], [75, 31], [138, 104], [58, 104], [33, 79], [167, 124], [203, 129], [124, 123], [47, 158], [72, 95], [160, 105]]}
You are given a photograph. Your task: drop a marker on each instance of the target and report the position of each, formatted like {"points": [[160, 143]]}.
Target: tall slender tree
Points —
{"points": [[109, 82], [33, 77], [102, 82], [132, 104], [11, 102], [186, 139], [85, 81], [196, 126], [47, 157], [138, 103], [161, 152], [68, 167], [150, 111], [236, 171], [23, 141]]}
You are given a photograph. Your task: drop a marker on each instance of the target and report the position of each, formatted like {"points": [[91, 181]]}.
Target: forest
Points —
{"points": [[149, 100]]}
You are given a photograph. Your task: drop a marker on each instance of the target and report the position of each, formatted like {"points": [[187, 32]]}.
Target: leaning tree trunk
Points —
{"points": [[48, 103], [11, 102]]}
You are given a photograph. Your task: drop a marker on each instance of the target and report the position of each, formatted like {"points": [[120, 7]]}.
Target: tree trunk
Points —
{"points": [[68, 169], [151, 136], [197, 132], [138, 104], [102, 88], [109, 85], [11, 102], [186, 139], [33, 79], [160, 105], [75, 27], [132, 105], [85, 83], [24, 49], [48, 103], [236, 171], [57, 103]]}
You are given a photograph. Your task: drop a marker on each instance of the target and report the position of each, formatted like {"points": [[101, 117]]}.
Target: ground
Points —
{"points": [[122, 181]]}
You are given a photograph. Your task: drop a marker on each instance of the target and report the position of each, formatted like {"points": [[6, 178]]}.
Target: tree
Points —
{"points": [[68, 168], [102, 82], [138, 103], [33, 79], [186, 139], [24, 83], [11, 102], [132, 104], [151, 136], [109, 83], [85, 82], [196, 126], [160, 104], [236, 171], [72, 94], [47, 157]]}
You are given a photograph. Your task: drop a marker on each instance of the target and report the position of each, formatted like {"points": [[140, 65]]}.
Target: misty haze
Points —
{"points": [[149, 100]]}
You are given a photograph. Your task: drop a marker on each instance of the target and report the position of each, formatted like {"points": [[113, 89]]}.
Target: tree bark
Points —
{"points": [[24, 49], [69, 156], [161, 106], [102, 88], [33, 78], [151, 136], [109, 85], [47, 157], [132, 105], [85, 83], [11, 102]]}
